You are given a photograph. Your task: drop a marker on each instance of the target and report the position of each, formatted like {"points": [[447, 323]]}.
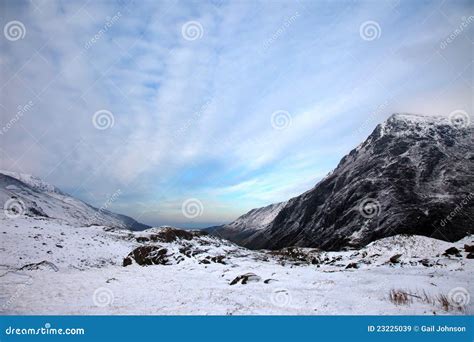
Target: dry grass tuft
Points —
{"points": [[447, 305], [405, 297], [399, 297]]}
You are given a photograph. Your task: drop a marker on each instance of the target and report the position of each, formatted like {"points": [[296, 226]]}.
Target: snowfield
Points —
{"points": [[50, 267]]}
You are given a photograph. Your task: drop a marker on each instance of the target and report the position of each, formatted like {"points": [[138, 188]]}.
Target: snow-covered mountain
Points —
{"points": [[248, 224], [413, 175], [32, 181], [22, 194]]}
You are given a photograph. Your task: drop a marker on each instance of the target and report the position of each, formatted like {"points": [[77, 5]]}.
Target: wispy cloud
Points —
{"points": [[192, 117]]}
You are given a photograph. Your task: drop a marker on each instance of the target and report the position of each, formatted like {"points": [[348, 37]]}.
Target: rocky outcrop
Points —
{"points": [[171, 246], [146, 256], [246, 278]]}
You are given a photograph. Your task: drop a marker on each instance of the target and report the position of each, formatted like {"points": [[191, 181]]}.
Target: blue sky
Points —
{"points": [[237, 104]]}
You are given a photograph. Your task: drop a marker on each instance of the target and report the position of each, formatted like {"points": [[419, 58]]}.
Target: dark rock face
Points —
{"points": [[452, 251], [413, 175], [395, 259], [218, 259], [469, 248], [171, 234], [146, 256]]}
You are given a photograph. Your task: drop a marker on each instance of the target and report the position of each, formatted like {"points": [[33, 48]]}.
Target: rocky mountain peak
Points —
{"points": [[407, 177]]}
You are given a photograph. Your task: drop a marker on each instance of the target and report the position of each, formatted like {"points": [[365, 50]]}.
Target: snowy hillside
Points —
{"points": [[24, 194], [34, 182], [248, 224], [52, 268]]}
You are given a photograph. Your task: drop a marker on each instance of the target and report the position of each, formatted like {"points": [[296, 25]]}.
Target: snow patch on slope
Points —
{"points": [[257, 219], [42, 199], [33, 181]]}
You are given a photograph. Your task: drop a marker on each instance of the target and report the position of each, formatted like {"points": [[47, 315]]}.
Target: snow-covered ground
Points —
{"points": [[49, 267]]}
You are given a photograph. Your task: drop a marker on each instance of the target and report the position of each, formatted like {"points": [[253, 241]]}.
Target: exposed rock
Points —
{"points": [[169, 234], [470, 255], [452, 251], [468, 248], [147, 255], [426, 262], [190, 251], [268, 281], [246, 278], [219, 259], [395, 259], [295, 254], [352, 265], [176, 245], [42, 265]]}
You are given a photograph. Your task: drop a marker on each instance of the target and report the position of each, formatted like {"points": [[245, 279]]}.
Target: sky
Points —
{"points": [[191, 113]]}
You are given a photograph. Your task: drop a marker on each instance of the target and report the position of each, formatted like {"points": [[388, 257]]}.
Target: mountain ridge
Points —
{"points": [[406, 177], [30, 195]]}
